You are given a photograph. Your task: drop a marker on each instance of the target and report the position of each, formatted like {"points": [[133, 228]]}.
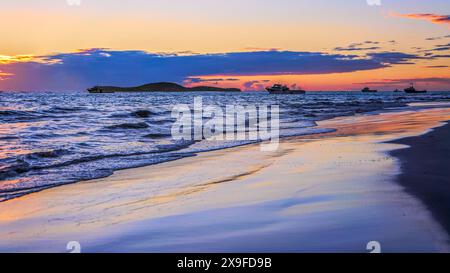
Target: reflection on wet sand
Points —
{"points": [[399, 123], [337, 185]]}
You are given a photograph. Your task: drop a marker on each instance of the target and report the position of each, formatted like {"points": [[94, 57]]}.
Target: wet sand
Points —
{"points": [[326, 193], [426, 171]]}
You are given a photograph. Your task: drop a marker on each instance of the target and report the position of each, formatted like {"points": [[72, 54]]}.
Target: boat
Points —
{"points": [[98, 89], [283, 89], [412, 90], [397, 91], [368, 90]]}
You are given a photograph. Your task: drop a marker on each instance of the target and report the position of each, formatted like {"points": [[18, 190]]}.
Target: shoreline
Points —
{"points": [[12, 193], [305, 197], [425, 173], [33, 171]]}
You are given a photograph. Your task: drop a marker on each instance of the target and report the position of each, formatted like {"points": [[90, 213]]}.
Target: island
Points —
{"points": [[160, 87]]}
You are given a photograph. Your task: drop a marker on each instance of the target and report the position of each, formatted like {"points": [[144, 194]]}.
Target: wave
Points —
{"points": [[175, 146], [13, 170], [79, 137], [162, 121], [8, 112], [25, 163], [143, 113], [157, 135], [47, 154], [16, 113], [62, 110], [9, 138], [139, 125], [16, 116], [8, 194]]}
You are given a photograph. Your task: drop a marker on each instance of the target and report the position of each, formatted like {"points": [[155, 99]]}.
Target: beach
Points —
{"points": [[332, 192], [425, 171], [194, 128]]}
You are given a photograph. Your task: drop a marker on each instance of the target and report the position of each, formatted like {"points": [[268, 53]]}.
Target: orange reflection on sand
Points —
{"points": [[220, 179], [389, 123]]}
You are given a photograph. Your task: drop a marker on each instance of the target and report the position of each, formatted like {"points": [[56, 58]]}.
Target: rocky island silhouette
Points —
{"points": [[160, 87]]}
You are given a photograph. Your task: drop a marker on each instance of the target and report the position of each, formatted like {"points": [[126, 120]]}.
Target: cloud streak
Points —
{"points": [[359, 46], [430, 80], [436, 66], [438, 38], [430, 17]]}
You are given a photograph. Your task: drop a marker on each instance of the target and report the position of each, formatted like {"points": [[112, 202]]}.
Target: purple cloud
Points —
{"points": [[79, 70], [359, 46]]}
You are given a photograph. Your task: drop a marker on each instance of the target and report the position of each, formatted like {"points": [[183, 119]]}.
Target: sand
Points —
{"points": [[426, 171], [327, 193]]}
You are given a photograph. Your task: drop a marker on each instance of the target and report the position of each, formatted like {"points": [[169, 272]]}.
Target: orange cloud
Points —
{"points": [[433, 18], [4, 76], [15, 59]]}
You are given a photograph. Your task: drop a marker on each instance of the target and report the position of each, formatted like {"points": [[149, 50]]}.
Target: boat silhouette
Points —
{"points": [[368, 90], [412, 90], [283, 89]]}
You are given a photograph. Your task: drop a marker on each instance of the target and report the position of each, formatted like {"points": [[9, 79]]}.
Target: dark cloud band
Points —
{"points": [[79, 70]]}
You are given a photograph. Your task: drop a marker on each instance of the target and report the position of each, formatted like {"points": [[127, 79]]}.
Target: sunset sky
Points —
{"points": [[49, 45]]}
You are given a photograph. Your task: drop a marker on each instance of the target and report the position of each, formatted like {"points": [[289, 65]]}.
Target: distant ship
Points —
{"points": [[283, 89], [413, 90], [397, 91], [368, 90]]}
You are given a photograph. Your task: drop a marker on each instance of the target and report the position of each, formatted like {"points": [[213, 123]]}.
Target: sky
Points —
{"points": [[70, 45]]}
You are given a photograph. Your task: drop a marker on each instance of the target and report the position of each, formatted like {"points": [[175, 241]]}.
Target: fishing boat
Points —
{"points": [[283, 89], [368, 90], [412, 90]]}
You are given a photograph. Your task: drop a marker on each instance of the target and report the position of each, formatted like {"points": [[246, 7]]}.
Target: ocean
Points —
{"points": [[52, 139]]}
